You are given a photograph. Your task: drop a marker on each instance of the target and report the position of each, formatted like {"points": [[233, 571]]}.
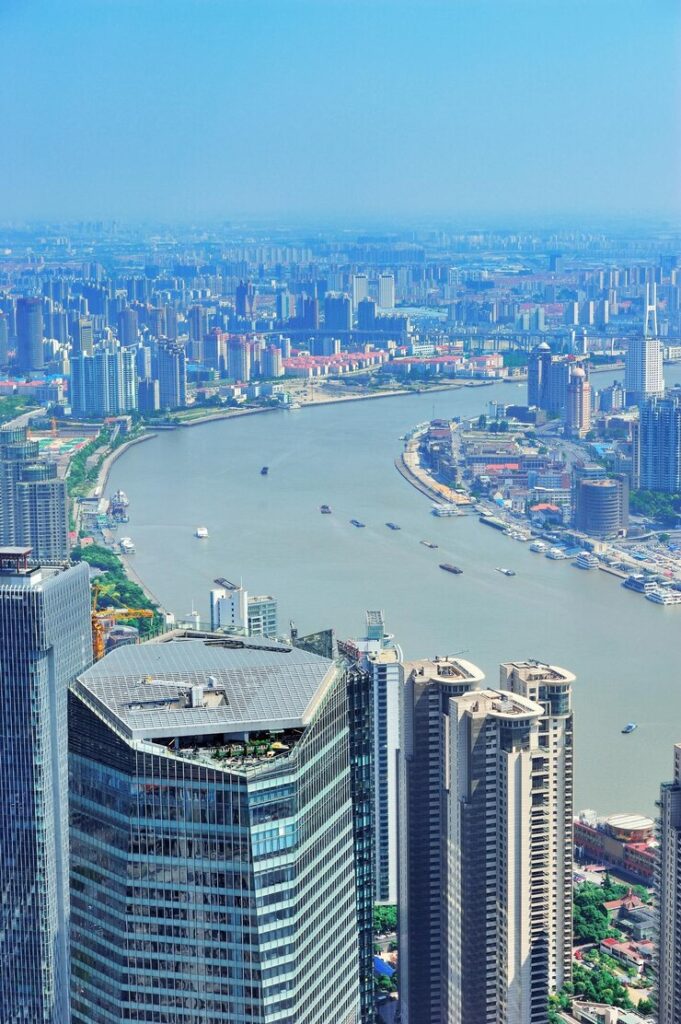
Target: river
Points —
{"points": [[267, 531]]}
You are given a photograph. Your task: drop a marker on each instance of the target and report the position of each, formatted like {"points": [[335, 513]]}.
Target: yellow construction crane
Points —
{"points": [[102, 617]]}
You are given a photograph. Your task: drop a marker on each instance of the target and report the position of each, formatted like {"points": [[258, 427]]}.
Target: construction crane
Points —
{"points": [[102, 617]]}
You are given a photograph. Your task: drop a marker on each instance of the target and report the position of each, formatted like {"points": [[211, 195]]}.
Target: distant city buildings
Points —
{"points": [[45, 641], [669, 898]]}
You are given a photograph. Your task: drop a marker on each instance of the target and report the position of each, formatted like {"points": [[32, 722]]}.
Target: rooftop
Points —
{"points": [[187, 684], [447, 669]]}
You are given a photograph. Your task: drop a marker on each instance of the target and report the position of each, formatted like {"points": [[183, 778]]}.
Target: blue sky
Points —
{"points": [[333, 109]]}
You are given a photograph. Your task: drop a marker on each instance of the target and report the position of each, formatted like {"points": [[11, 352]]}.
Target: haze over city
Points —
{"points": [[336, 109]]}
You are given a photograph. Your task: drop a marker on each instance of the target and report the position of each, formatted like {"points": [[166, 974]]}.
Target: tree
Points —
{"points": [[385, 918]]}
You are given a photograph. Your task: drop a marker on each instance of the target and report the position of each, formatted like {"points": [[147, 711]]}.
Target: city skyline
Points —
{"points": [[309, 111]]}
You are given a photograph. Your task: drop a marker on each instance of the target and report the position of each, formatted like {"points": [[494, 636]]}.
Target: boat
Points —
{"points": [[640, 584], [429, 544], [358, 524], [295, 406], [120, 498], [325, 510], [127, 545], [201, 532], [538, 545], [393, 526], [629, 727], [587, 560], [264, 471], [660, 596], [557, 553], [506, 572], [451, 568], [445, 509]]}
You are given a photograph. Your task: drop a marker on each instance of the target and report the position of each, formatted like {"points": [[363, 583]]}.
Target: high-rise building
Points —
{"points": [[238, 359], [148, 396], [104, 383], [337, 312], [657, 446], [82, 334], [245, 299], [644, 375], [386, 291], [128, 326], [171, 372], [359, 288], [45, 641], [578, 410], [4, 339], [33, 501], [212, 836], [366, 315], [669, 898], [485, 842], [284, 305], [272, 363], [30, 333], [602, 506], [234, 610], [548, 376]]}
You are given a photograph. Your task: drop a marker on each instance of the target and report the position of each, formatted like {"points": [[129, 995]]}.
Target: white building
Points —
{"points": [[669, 893], [386, 291], [233, 610], [644, 376], [360, 288]]}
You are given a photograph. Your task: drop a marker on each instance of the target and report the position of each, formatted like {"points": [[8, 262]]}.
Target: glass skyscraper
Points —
{"points": [[212, 868], [45, 640]]}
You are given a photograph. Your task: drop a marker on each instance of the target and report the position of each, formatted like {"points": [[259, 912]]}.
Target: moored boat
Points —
{"points": [[451, 568]]}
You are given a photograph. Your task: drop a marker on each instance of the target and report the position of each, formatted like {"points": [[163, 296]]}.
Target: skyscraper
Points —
{"points": [[30, 333], [359, 288], [82, 334], [485, 842], [386, 291], [644, 375], [578, 412], [238, 359], [171, 371], [212, 835], [45, 641], [104, 383], [657, 446], [128, 326], [669, 898], [337, 312], [33, 501]]}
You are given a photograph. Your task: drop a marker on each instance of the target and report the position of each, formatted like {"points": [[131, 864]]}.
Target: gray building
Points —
{"points": [[212, 836], [602, 506], [669, 898], [171, 371], [33, 501], [45, 641], [485, 872], [30, 333], [657, 446]]}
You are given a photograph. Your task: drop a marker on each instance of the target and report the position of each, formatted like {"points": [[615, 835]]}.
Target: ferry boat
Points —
{"points": [[264, 471], [629, 727], [429, 544], [506, 572], [201, 532], [325, 510], [538, 545], [660, 596], [557, 553], [451, 568], [445, 509], [358, 524], [640, 584], [393, 526], [127, 545], [587, 560]]}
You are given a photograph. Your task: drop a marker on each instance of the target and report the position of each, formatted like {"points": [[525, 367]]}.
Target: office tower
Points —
{"points": [[238, 360], [378, 654], [578, 410], [485, 842], [82, 334], [171, 372], [669, 898], [45, 641], [148, 396], [232, 763], [30, 334], [272, 363], [386, 291], [42, 515], [366, 315], [4, 339], [104, 383], [657, 446], [234, 610], [337, 312], [644, 376], [548, 376], [359, 288], [602, 506]]}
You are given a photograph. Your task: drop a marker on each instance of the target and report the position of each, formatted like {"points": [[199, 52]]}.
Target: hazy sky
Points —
{"points": [[333, 108]]}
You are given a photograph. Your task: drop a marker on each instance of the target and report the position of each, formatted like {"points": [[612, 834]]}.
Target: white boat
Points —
{"points": [[556, 553], [294, 406], [121, 498], [661, 596], [201, 532], [587, 560], [445, 509], [538, 545], [127, 545]]}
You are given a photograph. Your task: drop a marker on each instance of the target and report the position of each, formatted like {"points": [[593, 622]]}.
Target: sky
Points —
{"points": [[320, 110]]}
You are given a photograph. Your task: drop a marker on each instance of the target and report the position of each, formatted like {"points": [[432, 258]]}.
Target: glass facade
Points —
{"points": [[45, 641], [206, 892]]}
